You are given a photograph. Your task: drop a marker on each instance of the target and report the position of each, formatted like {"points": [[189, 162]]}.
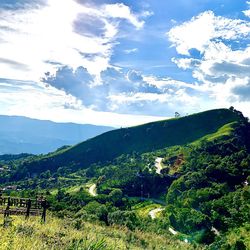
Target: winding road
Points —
{"points": [[92, 190], [158, 165], [153, 212]]}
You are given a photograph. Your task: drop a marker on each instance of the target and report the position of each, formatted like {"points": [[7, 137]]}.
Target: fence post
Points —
{"points": [[1, 197], [44, 206], [28, 209], [7, 210]]}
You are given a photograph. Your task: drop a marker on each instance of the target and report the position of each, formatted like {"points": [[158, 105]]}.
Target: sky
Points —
{"points": [[122, 63]]}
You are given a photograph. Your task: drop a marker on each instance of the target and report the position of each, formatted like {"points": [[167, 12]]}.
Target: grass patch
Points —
{"points": [[222, 132]]}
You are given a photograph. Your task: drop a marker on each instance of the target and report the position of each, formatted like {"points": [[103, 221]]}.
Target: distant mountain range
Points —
{"points": [[24, 135]]}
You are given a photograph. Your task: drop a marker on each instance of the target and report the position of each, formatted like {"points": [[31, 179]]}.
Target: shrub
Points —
{"points": [[124, 218]]}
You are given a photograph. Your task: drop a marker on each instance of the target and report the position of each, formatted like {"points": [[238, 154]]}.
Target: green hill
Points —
{"points": [[143, 138]]}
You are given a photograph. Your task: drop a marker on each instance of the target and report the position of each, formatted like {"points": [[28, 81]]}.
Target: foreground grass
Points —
{"points": [[67, 234]]}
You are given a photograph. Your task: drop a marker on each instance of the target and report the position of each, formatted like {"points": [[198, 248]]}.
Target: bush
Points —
{"points": [[124, 218]]}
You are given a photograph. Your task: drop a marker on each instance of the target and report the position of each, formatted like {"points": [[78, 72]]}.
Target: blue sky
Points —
{"points": [[122, 63]]}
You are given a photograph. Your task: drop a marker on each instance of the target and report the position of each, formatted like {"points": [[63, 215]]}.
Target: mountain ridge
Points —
{"points": [[142, 138]]}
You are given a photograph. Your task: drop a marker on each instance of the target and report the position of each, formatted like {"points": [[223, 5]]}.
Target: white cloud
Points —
{"points": [[223, 67], [42, 38], [226, 95], [46, 35], [220, 63], [167, 102], [185, 63], [247, 12], [35, 37], [198, 33], [129, 51], [122, 11], [38, 101], [163, 83], [218, 59]]}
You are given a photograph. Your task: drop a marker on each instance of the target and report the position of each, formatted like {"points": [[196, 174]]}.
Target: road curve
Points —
{"points": [[158, 165], [153, 212], [92, 190]]}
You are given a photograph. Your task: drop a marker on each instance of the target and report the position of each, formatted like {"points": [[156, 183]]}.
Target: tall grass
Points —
{"points": [[60, 234]]}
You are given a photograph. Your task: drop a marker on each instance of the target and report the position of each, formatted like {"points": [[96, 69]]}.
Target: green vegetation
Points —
{"points": [[222, 132], [202, 190]]}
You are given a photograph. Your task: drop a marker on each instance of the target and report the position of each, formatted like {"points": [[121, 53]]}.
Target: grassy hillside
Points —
{"points": [[144, 138], [79, 235]]}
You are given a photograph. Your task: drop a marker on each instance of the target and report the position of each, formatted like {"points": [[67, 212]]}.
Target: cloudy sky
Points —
{"points": [[123, 62]]}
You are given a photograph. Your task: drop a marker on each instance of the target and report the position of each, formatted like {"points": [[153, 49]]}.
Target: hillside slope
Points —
{"points": [[75, 234], [143, 138], [24, 135]]}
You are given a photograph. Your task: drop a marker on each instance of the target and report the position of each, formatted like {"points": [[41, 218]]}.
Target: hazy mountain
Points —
{"points": [[24, 135]]}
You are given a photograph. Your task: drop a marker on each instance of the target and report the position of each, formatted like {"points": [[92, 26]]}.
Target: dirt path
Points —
{"points": [[153, 212], [158, 165], [92, 190]]}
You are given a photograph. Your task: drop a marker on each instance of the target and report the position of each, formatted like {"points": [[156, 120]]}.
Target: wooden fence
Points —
{"points": [[23, 206]]}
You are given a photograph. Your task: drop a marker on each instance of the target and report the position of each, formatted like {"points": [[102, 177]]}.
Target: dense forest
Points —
{"points": [[184, 180]]}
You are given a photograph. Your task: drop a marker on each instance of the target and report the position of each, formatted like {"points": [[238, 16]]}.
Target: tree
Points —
{"points": [[115, 195], [124, 218], [60, 195], [177, 115], [45, 175]]}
